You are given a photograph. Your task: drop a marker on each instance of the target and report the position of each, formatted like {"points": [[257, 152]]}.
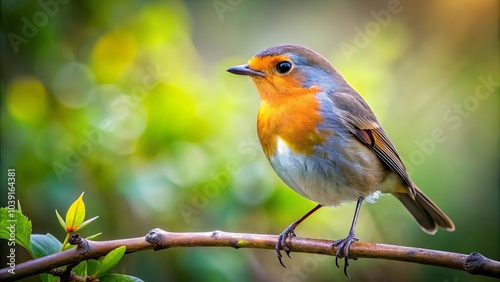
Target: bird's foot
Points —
{"points": [[343, 250], [281, 244]]}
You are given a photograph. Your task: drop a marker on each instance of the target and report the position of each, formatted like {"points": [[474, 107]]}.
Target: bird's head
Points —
{"points": [[289, 69]]}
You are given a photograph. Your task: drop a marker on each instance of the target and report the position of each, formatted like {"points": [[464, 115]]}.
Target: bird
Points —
{"points": [[323, 140]]}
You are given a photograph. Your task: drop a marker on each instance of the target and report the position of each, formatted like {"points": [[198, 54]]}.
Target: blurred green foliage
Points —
{"points": [[129, 101]]}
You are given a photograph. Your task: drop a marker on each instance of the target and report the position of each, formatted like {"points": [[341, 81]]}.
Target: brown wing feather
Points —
{"points": [[366, 128], [386, 151]]}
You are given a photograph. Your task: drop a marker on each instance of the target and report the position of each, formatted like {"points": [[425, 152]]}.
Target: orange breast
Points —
{"points": [[292, 117]]}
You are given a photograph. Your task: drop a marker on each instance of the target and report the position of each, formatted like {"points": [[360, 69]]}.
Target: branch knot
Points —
{"points": [[473, 263]]}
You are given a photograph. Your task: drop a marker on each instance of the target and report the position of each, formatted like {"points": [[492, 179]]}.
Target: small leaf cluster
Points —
{"points": [[40, 245]]}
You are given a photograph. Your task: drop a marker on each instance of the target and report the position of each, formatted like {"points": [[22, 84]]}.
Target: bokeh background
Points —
{"points": [[130, 102]]}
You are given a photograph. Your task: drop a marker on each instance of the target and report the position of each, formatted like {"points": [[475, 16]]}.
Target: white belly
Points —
{"points": [[317, 179]]}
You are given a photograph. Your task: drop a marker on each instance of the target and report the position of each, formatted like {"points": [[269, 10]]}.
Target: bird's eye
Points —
{"points": [[284, 67]]}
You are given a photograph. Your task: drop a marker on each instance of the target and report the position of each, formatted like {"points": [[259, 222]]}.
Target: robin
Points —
{"points": [[323, 140]]}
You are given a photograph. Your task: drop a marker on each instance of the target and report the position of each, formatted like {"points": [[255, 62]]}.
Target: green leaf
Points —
{"points": [[15, 227], [110, 260], [81, 269], [93, 267], [118, 278], [48, 277], [75, 214], [61, 220], [44, 245], [93, 236], [86, 222], [19, 206]]}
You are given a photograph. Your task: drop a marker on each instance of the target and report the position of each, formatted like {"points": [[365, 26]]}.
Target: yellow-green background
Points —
{"points": [[156, 162]]}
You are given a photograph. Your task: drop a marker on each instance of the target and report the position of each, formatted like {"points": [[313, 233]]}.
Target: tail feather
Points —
{"points": [[427, 214]]}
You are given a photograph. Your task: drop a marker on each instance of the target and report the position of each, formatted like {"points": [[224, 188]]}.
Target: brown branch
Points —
{"points": [[158, 239]]}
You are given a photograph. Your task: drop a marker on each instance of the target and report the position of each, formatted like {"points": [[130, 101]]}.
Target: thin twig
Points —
{"points": [[158, 239]]}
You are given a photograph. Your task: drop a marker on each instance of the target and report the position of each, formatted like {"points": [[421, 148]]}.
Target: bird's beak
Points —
{"points": [[245, 70]]}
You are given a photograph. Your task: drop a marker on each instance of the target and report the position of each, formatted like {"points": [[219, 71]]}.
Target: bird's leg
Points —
{"points": [[290, 232], [344, 244]]}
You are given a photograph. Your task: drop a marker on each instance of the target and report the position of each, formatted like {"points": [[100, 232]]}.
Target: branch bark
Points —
{"points": [[158, 239]]}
